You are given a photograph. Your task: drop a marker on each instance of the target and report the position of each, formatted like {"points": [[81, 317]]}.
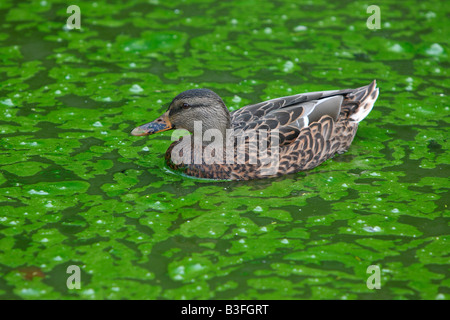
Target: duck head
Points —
{"points": [[189, 106]]}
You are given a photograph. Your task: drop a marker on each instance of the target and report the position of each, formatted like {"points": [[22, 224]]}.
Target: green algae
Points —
{"points": [[77, 189]]}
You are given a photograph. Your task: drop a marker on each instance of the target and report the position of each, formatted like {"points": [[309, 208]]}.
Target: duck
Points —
{"points": [[268, 139]]}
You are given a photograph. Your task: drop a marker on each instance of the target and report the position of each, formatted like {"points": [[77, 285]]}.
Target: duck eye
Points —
{"points": [[185, 105]]}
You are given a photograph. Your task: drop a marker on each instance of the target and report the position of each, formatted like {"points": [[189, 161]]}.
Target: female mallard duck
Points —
{"points": [[268, 139]]}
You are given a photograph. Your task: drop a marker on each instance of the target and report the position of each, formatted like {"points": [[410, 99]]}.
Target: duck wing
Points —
{"points": [[259, 110], [290, 114]]}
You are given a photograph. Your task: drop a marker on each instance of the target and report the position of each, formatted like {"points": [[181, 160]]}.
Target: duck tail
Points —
{"points": [[360, 102]]}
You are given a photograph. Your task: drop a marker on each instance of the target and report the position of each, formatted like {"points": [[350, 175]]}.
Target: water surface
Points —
{"points": [[77, 189]]}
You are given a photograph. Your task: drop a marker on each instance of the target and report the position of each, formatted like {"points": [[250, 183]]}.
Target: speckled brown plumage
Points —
{"points": [[311, 127]]}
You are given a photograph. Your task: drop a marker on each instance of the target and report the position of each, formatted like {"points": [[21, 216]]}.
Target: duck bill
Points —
{"points": [[158, 125]]}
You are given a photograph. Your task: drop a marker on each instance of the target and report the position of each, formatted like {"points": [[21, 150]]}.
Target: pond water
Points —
{"points": [[77, 189]]}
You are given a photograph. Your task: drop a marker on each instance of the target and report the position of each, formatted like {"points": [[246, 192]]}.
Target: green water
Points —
{"points": [[77, 189]]}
